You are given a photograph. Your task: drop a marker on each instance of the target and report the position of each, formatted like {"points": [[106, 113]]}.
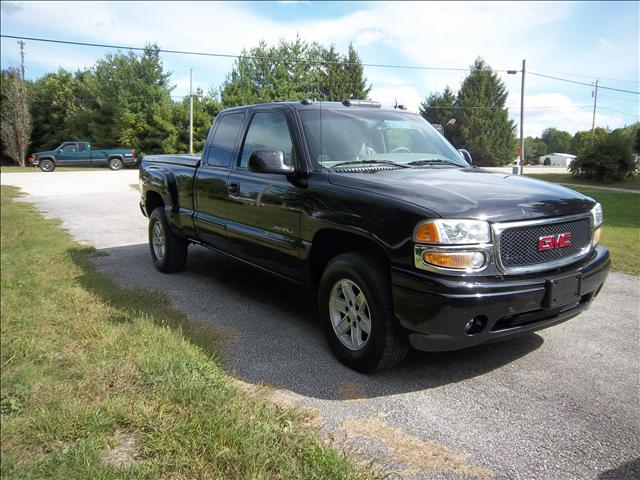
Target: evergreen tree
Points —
{"points": [[483, 125], [439, 108]]}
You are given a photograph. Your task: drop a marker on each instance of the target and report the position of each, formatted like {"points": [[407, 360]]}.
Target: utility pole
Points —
{"points": [[595, 101], [524, 69], [191, 111], [21, 43]]}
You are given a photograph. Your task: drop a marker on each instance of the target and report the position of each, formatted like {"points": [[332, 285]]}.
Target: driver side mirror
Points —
{"points": [[269, 161], [466, 155]]}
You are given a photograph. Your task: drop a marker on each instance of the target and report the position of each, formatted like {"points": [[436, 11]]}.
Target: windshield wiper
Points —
{"points": [[355, 162], [441, 161]]}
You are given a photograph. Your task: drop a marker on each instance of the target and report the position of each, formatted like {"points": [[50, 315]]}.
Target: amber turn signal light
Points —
{"points": [[426, 233], [455, 260]]}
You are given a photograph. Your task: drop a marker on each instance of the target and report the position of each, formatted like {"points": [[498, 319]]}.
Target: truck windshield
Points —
{"points": [[342, 136]]}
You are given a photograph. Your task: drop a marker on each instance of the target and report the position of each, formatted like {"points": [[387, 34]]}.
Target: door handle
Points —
{"points": [[234, 188]]}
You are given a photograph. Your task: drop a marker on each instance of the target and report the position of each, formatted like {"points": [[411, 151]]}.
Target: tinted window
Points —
{"points": [[83, 147], [224, 139], [69, 147], [268, 131]]}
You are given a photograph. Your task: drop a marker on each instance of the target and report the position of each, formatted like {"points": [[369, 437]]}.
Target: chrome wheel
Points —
{"points": [[158, 241], [350, 314]]}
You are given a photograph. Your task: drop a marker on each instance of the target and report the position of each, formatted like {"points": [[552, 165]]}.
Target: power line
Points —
{"points": [[229, 55], [590, 76], [634, 115], [582, 83]]}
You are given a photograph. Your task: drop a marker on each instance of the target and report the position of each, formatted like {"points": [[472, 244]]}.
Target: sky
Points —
{"points": [[578, 41]]}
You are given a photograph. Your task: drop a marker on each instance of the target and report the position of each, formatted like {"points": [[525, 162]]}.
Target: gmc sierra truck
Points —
{"points": [[80, 154], [407, 243]]}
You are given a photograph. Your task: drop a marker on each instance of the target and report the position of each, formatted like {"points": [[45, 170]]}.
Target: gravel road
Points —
{"points": [[559, 404]]}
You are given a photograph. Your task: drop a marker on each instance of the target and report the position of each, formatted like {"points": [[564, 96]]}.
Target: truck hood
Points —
{"points": [[45, 153], [470, 192]]}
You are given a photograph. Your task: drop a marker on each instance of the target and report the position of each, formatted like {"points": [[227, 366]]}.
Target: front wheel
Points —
{"points": [[47, 165], [168, 251], [357, 313], [115, 164]]}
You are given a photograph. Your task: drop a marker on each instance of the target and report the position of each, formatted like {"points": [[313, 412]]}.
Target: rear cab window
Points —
{"points": [[220, 150]]}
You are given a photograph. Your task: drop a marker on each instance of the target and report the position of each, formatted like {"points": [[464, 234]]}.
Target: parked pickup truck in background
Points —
{"points": [[80, 154], [407, 244]]}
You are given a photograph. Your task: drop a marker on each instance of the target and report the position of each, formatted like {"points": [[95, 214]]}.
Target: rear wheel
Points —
{"points": [[47, 165], [115, 164], [357, 313], [168, 251]]}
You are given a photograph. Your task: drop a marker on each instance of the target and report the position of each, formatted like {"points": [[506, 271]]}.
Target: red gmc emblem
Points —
{"points": [[554, 241]]}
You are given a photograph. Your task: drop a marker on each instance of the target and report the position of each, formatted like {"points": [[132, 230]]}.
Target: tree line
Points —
{"points": [[125, 100]]}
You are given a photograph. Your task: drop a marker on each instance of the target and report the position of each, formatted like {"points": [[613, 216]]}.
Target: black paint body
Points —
{"points": [[277, 222]]}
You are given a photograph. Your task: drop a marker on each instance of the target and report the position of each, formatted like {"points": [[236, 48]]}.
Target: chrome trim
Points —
{"points": [[498, 228], [418, 251]]}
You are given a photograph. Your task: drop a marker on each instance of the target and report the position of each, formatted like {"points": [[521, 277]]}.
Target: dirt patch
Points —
{"points": [[125, 450], [351, 391], [418, 455]]}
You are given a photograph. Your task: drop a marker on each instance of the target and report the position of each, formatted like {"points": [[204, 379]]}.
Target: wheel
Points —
{"points": [[357, 313], [168, 251], [47, 165], [115, 164]]}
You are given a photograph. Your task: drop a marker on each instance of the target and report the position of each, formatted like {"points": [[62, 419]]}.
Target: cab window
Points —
{"points": [[224, 140], [69, 147], [268, 131]]}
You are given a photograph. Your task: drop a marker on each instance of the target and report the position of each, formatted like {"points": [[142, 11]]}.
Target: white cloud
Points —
{"points": [[418, 33], [556, 110], [403, 95], [603, 42]]}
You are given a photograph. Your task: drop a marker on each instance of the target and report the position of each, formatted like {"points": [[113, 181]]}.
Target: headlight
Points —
{"points": [[452, 232], [452, 245], [598, 215]]}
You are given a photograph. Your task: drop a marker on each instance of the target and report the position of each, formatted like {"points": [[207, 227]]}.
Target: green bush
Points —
{"points": [[609, 158]]}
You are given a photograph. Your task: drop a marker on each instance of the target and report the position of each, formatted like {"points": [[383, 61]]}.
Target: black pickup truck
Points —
{"points": [[407, 244]]}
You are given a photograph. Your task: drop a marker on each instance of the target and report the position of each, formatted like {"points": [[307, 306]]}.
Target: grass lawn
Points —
{"points": [[621, 233], [632, 183], [104, 382]]}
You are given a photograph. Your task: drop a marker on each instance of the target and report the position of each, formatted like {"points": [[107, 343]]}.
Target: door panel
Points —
{"points": [[264, 221], [264, 209], [210, 189], [73, 154]]}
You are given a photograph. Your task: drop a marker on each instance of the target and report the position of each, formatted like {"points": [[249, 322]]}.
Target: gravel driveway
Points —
{"points": [[559, 404]]}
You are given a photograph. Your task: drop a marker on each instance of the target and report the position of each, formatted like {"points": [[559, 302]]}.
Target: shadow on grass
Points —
{"points": [[265, 329], [134, 303]]}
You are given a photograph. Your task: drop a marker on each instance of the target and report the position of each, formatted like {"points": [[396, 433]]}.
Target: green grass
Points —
{"points": [[621, 232], [88, 366], [632, 183]]}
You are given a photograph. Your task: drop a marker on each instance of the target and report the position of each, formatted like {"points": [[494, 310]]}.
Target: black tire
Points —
{"points": [[382, 347], [115, 164], [174, 253], [47, 165]]}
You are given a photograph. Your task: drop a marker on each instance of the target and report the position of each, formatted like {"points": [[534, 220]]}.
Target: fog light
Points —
{"points": [[456, 260], [475, 325], [596, 237]]}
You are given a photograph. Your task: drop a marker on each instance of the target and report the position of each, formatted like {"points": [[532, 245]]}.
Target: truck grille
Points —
{"points": [[519, 246]]}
